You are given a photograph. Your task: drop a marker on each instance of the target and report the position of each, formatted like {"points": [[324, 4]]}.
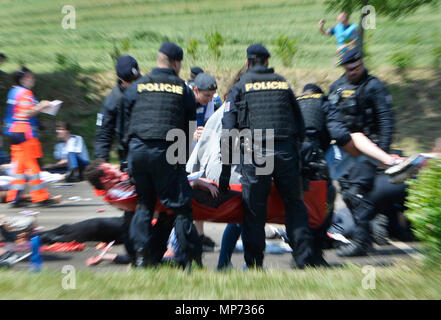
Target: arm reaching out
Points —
{"points": [[366, 146], [207, 186]]}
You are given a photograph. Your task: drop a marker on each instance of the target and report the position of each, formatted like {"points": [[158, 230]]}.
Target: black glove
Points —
{"points": [[123, 166], [224, 179]]}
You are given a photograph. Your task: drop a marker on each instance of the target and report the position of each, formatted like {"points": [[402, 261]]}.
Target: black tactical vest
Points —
{"points": [[312, 112], [266, 104], [355, 110], [159, 107]]}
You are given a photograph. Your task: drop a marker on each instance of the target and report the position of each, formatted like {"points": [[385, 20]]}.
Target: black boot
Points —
{"points": [[207, 244], [317, 259], [379, 230], [354, 249], [141, 259], [73, 175], [19, 204]]}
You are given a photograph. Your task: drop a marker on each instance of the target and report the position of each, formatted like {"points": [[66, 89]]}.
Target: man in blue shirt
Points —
{"points": [[344, 32], [71, 153], [207, 101]]}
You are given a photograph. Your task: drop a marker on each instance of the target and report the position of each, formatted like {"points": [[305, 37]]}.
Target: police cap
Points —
{"points": [[257, 50], [312, 87], [172, 50], [350, 56], [196, 70], [127, 68], [204, 81]]}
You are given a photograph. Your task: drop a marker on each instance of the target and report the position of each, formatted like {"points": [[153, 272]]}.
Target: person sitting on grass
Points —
{"points": [[71, 153]]}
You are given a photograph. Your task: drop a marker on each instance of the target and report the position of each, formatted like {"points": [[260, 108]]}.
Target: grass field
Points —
{"points": [[403, 281], [76, 66], [100, 24]]}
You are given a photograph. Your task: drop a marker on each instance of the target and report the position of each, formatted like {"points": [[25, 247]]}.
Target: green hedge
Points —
{"points": [[424, 203]]}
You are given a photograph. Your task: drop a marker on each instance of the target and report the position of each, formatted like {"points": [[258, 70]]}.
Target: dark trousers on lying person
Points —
{"points": [[96, 229], [111, 229]]}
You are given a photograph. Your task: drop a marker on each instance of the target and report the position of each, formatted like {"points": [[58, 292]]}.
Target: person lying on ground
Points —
{"points": [[113, 184]]}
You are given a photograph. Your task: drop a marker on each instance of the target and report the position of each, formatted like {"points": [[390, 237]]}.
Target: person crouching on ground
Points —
{"points": [[71, 153]]}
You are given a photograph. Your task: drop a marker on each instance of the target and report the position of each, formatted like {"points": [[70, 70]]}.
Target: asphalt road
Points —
{"points": [[88, 206]]}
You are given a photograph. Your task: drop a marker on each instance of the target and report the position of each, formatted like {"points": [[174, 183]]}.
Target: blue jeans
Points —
{"points": [[231, 234], [74, 160]]}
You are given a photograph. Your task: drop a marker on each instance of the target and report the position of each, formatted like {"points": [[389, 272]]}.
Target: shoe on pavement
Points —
{"points": [[318, 261], [49, 202], [207, 243], [19, 204], [352, 250]]}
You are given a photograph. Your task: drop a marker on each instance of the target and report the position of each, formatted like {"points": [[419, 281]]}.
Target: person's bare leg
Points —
{"points": [[199, 227]]}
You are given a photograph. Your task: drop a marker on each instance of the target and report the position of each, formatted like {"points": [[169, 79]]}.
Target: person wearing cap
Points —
{"points": [[194, 71], [110, 120], [323, 124], [263, 99], [365, 106], [203, 111], [214, 104], [111, 123], [156, 104], [204, 88]]}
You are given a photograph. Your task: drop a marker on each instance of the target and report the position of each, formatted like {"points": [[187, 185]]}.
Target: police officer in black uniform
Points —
{"points": [[111, 118], [110, 122], [365, 106], [155, 104], [263, 100], [194, 71], [322, 124]]}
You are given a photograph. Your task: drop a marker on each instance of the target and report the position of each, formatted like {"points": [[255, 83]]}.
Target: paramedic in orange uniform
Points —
{"points": [[20, 126]]}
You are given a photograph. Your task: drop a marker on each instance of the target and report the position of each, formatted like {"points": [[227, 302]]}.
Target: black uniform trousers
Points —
{"points": [[356, 184], [156, 178], [255, 191]]}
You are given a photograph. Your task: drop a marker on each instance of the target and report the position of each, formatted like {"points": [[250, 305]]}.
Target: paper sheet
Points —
{"points": [[54, 107]]}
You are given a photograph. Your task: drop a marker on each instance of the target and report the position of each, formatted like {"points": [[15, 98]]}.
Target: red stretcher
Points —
{"points": [[231, 211]]}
